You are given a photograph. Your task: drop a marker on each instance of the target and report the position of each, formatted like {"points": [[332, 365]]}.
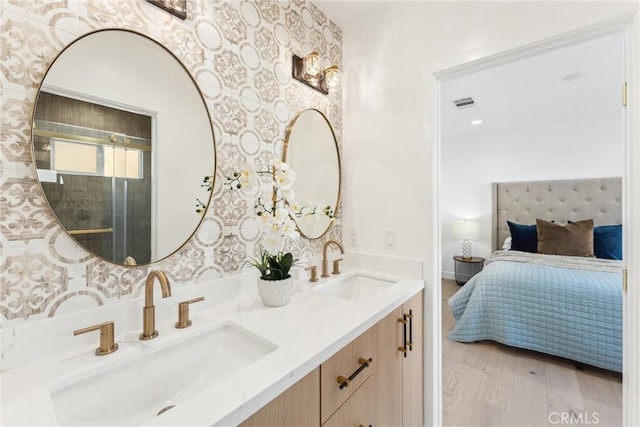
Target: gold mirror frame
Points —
{"points": [[285, 150], [129, 261]]}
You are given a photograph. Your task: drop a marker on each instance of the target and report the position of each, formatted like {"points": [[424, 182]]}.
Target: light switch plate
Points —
{"points": [[352, 237], [390, 239]]}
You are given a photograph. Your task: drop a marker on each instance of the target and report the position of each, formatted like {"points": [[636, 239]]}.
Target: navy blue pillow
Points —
{"points": [[523, 237], [607, 241]]}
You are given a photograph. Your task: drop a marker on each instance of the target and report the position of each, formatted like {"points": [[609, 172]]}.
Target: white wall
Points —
{"points": [[391, 51]]}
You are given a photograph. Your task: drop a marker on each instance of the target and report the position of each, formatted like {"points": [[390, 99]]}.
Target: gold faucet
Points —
{"points": [[107, 342], [183, 313], [325, 268], [129, 261], [149, 310], [313, 269]]}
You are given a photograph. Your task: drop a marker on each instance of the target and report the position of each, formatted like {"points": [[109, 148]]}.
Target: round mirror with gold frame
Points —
{"points": [[122, 143], [311, 149]]}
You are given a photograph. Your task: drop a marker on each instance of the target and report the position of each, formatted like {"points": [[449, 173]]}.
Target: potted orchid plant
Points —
{"points": [[277, 228]]}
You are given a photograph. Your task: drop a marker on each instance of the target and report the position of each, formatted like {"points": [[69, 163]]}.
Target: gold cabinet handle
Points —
{"points": [[183, 313], [107, 344], [313, 276], [409, 343], [405, 342], [343, 382], [364, 363]]}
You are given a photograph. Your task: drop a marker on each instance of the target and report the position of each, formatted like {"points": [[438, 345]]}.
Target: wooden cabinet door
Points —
{"points": [[387, 395], [412, 369], [344, 363], [298, 406]]}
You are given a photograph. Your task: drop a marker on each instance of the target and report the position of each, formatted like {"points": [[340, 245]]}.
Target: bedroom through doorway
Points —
{"points": [[550, 116]]}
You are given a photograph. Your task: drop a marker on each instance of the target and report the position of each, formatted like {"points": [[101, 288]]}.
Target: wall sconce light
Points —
{"points": [[307, 70]]}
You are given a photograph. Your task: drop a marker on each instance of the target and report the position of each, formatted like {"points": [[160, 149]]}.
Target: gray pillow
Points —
{"points": [[575, 239]]}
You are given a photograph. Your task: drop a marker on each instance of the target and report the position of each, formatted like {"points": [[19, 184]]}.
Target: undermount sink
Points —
{"points": [[141, 388], [356, 288]]}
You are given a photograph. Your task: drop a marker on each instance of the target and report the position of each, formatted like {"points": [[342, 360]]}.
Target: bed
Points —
{"points": [[567, 306]]}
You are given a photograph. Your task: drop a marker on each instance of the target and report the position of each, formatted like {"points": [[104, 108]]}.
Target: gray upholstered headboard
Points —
{"points": [[559, 200]]}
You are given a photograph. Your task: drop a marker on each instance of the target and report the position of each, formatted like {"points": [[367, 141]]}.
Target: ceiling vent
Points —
{"points": [[464, 102]]}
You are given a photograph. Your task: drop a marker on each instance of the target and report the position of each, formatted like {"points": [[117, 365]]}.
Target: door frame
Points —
{"points": [[629, 25]]}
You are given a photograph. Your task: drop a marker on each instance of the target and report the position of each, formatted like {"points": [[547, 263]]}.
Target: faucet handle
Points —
{"points": [[183, 313], [313, 269], [336, 266], [107, 344]]}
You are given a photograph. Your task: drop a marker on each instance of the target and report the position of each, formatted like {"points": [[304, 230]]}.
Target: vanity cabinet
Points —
{"points": [[399, 393], [298, 406], [386, 392]]}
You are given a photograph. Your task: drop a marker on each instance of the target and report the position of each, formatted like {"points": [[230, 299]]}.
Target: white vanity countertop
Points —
{"points": [[307, 331]]}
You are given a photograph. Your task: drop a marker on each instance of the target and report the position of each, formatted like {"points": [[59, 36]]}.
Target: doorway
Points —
{"points": [[517, 138]]}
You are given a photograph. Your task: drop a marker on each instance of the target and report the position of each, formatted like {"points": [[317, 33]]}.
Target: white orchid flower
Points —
{"points": [[288, 194], [266, 193], [281, 215], [279, 165], [264, 221], [295, 207], [274, 216], [272, 242], [289, 229], [284, 180], [247, 177]]}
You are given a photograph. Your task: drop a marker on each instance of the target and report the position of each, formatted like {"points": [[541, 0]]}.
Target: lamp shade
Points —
{"points": [[312, 65], [332, 77], [465, 230]]}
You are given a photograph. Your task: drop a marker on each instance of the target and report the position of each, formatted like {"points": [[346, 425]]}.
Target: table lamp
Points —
{"points": [[466, 231]]}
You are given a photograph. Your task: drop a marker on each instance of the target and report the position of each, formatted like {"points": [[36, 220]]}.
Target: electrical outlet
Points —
{"points": [[353, 237], [390, 239]]}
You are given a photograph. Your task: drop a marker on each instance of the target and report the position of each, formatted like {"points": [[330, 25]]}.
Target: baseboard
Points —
{"points": [[448, 275]]}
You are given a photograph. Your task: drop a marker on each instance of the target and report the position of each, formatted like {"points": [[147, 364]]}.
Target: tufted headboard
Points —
{"points": [[559, 200]]}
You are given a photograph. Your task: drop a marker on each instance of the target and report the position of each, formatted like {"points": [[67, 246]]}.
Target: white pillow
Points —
{"points": [[507, 243]]}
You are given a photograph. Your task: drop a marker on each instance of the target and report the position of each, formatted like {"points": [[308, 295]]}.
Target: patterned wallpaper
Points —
{"points": [[239, 52]]}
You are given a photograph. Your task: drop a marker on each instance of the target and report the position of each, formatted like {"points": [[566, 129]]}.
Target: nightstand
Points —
{"points": [[466, 268]]}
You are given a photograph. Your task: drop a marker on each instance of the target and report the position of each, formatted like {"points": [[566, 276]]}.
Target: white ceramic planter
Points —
{"points": [[275, 293]]}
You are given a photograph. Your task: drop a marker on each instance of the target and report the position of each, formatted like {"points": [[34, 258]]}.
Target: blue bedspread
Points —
{"points": [[567, 312]]}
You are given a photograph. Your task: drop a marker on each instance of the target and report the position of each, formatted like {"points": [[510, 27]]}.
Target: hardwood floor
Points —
{"points": [[490, 384]]}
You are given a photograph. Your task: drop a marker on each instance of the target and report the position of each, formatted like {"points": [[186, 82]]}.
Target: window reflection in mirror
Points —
{"points": [[91, 160], [121, 150]]}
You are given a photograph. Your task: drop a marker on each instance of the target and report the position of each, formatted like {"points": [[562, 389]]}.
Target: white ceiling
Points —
{"points": [[523, 93], [346, 13], [530, 92]]}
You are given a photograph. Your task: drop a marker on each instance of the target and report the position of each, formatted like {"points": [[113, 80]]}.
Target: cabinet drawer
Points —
{"points": [[344, 364], [356, 411]]}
